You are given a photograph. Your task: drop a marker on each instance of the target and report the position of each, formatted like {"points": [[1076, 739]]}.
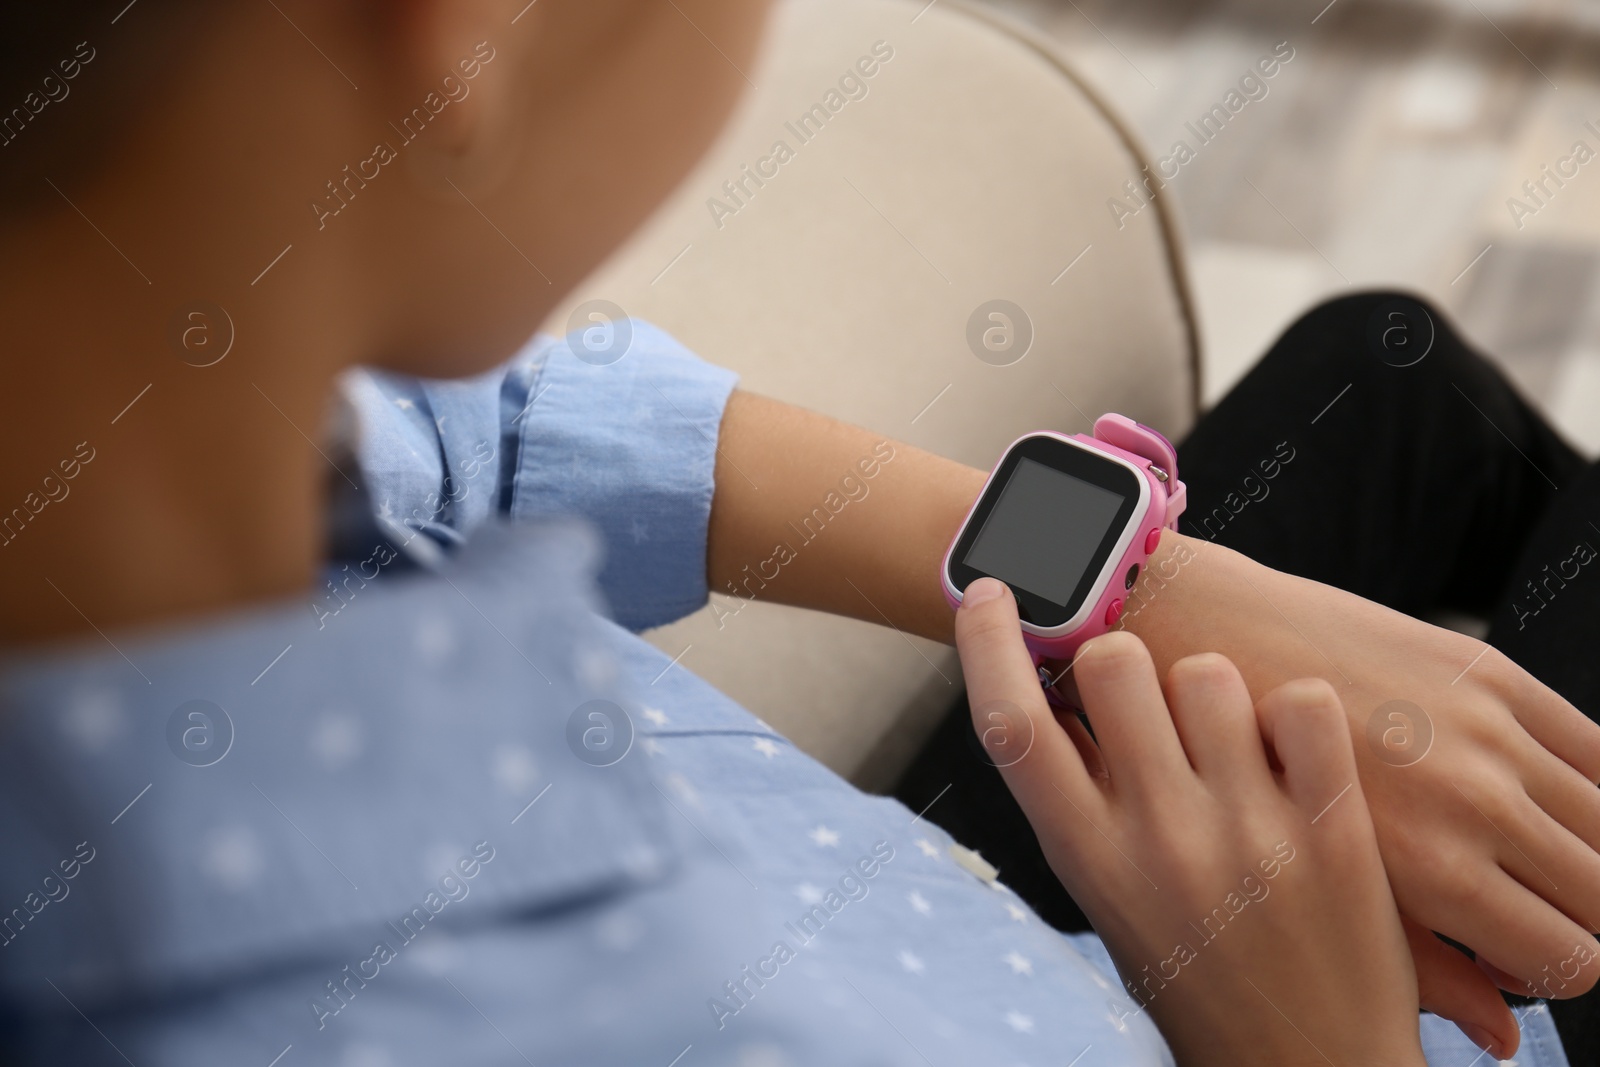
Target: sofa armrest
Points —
{"points": [[934, 158]]}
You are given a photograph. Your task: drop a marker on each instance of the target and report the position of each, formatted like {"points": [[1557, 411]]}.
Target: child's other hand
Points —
{"points": [[1245, 905], [1480, 780]]}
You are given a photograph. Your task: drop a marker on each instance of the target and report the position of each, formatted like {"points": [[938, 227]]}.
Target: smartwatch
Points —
{"points": [[1069, 523]]}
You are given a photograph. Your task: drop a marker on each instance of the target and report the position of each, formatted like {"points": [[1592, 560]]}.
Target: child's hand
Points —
{"points": [[1482, 790], [1245, 906]]}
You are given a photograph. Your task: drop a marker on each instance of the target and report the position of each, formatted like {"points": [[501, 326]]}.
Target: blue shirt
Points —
{"points": [[448, 807]]}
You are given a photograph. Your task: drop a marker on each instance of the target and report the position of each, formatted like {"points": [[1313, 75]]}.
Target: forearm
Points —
{"points": [[797, 519], [820, 514]]}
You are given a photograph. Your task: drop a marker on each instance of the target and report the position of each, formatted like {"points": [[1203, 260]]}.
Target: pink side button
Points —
{"points": [[1151, 541], [1113, 613]]}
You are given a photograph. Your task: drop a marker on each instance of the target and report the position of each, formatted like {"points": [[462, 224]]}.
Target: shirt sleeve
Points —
{"points": [[626, 441]]}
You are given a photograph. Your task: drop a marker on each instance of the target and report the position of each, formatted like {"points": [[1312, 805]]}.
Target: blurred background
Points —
{"points": [[1384, 154]]}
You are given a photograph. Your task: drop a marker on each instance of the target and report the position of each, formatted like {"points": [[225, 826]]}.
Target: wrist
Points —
{"points": [[952, 496], [1190, 596]]}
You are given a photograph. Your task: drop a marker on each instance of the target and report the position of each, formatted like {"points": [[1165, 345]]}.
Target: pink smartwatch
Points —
{"points": [[1069, 524]]}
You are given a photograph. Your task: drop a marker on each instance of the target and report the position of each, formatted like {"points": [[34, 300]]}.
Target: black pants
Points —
{"points": [[1420, 479]]}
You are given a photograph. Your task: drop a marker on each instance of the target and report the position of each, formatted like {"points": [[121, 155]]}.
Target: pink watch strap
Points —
{"points": [[1143, 443]]}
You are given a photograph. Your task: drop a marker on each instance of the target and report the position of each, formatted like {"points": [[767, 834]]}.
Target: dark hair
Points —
{"points": [[72, 72]]}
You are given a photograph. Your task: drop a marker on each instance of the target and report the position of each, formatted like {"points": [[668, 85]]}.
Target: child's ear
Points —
{"points": [[453, 87]]}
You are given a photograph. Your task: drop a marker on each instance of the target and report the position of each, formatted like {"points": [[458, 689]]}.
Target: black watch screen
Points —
{"points": [[1046, 525]]}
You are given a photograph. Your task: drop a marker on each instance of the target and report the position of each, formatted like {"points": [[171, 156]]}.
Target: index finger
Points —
{"points": [[1009, 710]]}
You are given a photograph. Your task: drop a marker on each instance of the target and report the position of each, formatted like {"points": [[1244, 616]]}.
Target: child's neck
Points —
{"points": [[135, 487]]}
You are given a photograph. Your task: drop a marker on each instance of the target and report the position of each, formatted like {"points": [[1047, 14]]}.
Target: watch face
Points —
{"points": [[1047, 523]]}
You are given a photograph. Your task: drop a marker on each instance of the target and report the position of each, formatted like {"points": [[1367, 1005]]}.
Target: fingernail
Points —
{"points": [[983, 590], [1483, 1039]]}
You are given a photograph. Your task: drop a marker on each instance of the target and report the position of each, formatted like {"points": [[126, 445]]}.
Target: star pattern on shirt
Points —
{"points": [[1018, 963], [1018, 915], [1022, 1024], [928, 848], [336, 739], [94, 718], [514, 769], [808, 893], [403, 403], [824, 837], [656, 716], [911, 962], [651, 746], [685, 790], [619, 931], [765, 746], [365, 1055], [234, 857], [643, 862], [919, 903], [1094, 974]]}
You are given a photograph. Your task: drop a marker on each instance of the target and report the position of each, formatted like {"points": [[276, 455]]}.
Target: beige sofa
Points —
{"points": [[956, 161]]}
